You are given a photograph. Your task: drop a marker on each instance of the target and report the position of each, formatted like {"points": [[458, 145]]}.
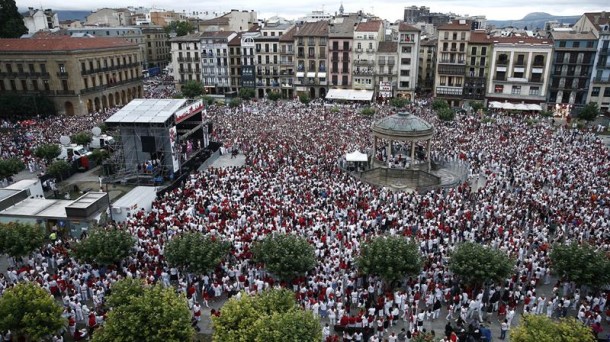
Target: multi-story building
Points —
{"points": [[311, 41], [367, 36], [215, 61], [573, 57], [109, 17], [451, 61], [235, 63], [157, 49], [234, 20], [477, 65], [599, 24], [268, 57], [519, 70], [408, 48], [287, 63], [131, 33], [40, 20], [80, 75], [426, 65], [248, 60], [422, 14], [386, 71], [186, 62], [340, 41]]}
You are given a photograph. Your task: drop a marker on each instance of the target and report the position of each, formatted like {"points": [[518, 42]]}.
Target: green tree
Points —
{"points": [[274, 95], [246, 93], [582, 264], [10, 167], [285, 255], [368, 111], [59, 169], [195, 252], [589, 112], [446, 114], [476, 106], [147, 313], [236, 102], [99, 155], [208, 99], [476, 264], [304, 98], [539, 328], [11, 21], [270, 316], [20, 239], [438, 104], [104, 246], [192, 89], [48, 152], [399, 102], [390, 257], [181, 28], [81, 138], [30, 312]]}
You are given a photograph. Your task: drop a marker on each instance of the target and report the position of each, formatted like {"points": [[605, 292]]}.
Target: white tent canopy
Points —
{"points": [[349, 94], [356, 156], [518, 106]]}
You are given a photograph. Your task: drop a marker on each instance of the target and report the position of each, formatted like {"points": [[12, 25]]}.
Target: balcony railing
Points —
{"points": [[63, 74]]}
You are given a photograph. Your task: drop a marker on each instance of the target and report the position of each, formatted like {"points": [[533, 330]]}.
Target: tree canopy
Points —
{"points": [[246, 93], [476, 264], [11, 21], [286, 256], [145, 313], [270, 316], [195, 252], [81, 138], [539, 328], [104, 246], [589, 112], [192, 89], [181, 28], [48, 152], [438, 104], [399, 102], [29, 311], [390, 257], [445, 114], [20, 239], [274, 95], [582, 264], [59, 169], [304, 98], [10, 167]]}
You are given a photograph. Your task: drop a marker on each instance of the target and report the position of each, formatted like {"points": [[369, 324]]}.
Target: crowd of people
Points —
{"points": [[541, 184]]}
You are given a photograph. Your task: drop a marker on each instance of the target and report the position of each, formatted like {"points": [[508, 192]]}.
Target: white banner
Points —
{"points": [[187, 112], [173, 137]]}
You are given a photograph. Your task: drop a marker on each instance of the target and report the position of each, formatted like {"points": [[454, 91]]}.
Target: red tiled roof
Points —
{"points": [[386, 47], [404, 27], [315, 29], [602, 18], [236, 41], [289, 36], [62, 43], [369, 26], [455, 26], [479, 37]]}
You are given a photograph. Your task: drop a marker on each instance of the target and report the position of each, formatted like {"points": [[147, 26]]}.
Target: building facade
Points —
{"points": [[186, 61], [519, 70], [248, 60], [367, 36], [235, 63], [80, 75], [426, 65], [340, 43], [573, 58], [451, 62], [40, 20], [109, 17], [386, 74], [131, 33], [215, 61], [157, 49], [268, 57], [408, 61], [287, 63], [477, 66], [311, 44]]}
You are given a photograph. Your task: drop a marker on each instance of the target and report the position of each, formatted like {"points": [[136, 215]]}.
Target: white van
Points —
{"points": [[101, 141], [73, 152]]}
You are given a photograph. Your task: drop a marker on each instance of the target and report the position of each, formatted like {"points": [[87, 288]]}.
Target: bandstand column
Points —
{"points": [[413, 154], [428, 154], [374, 146], [389, 149]]}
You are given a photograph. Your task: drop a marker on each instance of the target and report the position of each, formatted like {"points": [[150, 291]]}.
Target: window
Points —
{"points": [[344, 80], [595, 92], [499, 89], [538, 60], [24, 85], [405, 72], [20, 68], [43, 68], [516, 90], [62, 68], [517, 74], [406, 49], [562, 44], [501, 75], [474, 50], [405, 61], [520, 60], [576, 44], [534, 91], [31, 68], [404, 84], [484, 50], [46, 85], [607, 92]]}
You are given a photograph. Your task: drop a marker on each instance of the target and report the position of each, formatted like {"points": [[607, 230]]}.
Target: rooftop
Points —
{"points": [[455, 26], [39, 208], [598, 18], [62, 43], [315, 29], [387, 47], [403, 125], [404, 27], [369, 26], [572, 35], [342, 27], [147, 111]]}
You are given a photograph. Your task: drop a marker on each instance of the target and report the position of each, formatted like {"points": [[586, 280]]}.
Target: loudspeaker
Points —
{"points": [[210, 128], [148, 144]]}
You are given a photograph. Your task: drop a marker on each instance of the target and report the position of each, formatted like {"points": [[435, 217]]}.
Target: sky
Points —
{"points": [[386, 9]]}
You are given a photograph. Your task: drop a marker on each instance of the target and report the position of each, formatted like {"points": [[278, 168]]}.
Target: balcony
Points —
{"points": [[358, 50], [601, 80], [449, 90], [502, 62], [63, 74], [363, 62], [363, 72], [452, 61], [381, 61]]}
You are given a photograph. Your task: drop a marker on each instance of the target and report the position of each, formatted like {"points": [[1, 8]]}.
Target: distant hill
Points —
{"points": [[72, 15], [534, 20]]}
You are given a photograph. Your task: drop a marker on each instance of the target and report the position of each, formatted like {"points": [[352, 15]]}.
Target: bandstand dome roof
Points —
{"points": [[403, 126]]}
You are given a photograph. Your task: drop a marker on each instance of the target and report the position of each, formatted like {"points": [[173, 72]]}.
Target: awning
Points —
{"points": [[356, 156], [508, 105], [321, 75], [311, 74], [534, 107], [521, 106], [300, 74], [349, 94], [495, 104]]}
